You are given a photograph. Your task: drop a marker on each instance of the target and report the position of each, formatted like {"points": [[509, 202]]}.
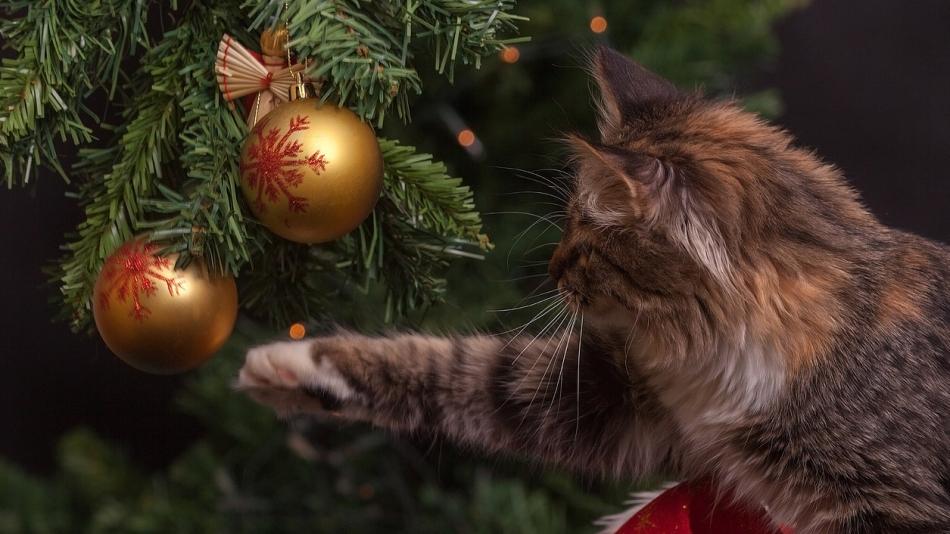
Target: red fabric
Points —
{"points": [[694, 508]]}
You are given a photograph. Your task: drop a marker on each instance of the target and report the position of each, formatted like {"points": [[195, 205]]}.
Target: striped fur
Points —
{"points": [[744, 319]]}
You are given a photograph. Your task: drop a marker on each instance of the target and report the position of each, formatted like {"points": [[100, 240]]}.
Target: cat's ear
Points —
{"points": [[635, 169], [626, 87]]}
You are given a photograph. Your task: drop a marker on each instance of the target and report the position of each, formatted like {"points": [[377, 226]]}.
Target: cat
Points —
{"points": [[746, 320]]}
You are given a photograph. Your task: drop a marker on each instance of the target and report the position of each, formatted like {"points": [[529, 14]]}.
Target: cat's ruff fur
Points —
{"points": [[745, 319]]}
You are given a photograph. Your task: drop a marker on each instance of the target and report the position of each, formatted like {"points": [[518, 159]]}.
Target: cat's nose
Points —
{"points": [[563, 258], [558, 262]]}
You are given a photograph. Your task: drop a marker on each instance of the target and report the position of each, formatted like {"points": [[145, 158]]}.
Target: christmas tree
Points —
{"points": [[120, 98], [168, 163]]}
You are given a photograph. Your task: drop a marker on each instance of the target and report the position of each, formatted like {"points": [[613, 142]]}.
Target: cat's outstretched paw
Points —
{"points": [[293, 378]]}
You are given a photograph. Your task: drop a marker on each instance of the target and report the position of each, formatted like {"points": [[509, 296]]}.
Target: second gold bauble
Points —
{"points": [[160, 319], [310, 172]]}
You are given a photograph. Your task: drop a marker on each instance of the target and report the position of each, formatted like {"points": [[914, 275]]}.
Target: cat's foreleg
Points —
{"points": [[546, 398]]}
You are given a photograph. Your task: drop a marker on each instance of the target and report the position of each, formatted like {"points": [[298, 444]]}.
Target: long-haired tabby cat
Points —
{"points": [[746, 320]]}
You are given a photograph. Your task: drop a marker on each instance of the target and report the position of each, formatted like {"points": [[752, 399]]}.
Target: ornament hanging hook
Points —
{"points": [[287, 29], [300, 88]]}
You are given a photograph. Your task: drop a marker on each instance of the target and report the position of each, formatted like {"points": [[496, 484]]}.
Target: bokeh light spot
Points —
{"points": [[598, 24], [297, 331], [510, 54], [466, 137]]}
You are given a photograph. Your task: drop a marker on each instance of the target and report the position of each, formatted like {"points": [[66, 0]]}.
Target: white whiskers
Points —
{"points": [[577, 397]]}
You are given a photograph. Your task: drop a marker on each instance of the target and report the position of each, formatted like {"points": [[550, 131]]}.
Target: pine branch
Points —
{"points": [[209, 199], [424, 219], [461, 30], [126, 174], [112, 204], [407, 261], [287, 282], [422, 193], [66, 49], [358, 57], [365, 50]]}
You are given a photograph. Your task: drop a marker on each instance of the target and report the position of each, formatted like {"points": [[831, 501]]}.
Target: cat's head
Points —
{"points": [[686, 211]]}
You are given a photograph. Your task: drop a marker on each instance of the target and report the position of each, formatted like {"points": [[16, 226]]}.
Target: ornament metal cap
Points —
{"points": [[274, 41], [302, 89]]}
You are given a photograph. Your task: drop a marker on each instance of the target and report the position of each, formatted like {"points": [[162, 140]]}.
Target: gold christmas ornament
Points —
{"points": [[159, 319], [311, 172]]}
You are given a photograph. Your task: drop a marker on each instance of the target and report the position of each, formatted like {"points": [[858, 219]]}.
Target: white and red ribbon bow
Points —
{"points": [[241, 72]]}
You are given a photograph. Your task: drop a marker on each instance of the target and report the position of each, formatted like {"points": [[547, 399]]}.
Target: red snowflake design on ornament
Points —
{"points": [[271, 164], [132, 271]]}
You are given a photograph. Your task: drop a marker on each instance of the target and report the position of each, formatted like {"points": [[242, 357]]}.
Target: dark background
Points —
{"points": [[864, 82]]}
